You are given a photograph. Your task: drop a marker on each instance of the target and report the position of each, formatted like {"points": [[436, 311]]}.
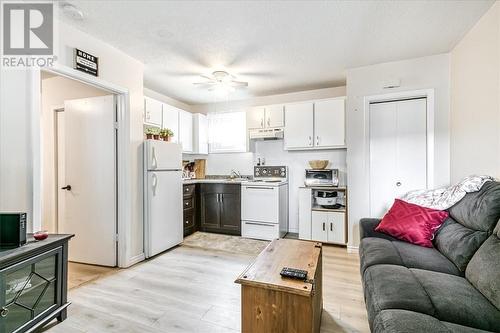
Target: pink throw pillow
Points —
{"points": [[412, 223]]}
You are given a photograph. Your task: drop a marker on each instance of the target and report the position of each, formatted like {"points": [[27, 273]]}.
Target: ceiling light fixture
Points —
{"points": [[221, 83], [72, 11]]}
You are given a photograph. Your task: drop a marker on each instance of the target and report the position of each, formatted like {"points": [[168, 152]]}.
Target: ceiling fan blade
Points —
{"points": [[208, 84], [239, 84], [207, 77]]}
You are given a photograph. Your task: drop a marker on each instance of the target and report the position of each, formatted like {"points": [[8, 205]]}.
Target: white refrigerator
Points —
{"points": [[162, 196]]}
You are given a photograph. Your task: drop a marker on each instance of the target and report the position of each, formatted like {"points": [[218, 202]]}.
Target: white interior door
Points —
{"points": [[87, 158], [398, 151]]}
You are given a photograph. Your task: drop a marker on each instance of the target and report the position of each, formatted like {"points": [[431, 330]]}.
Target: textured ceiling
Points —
{"points": [[277, 46]]}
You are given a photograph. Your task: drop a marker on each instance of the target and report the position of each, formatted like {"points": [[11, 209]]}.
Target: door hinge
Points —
{"points": [[115, 124], [116, 238]]}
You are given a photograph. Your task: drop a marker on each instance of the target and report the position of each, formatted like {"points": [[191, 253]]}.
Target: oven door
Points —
{"points": [[260, 203]]}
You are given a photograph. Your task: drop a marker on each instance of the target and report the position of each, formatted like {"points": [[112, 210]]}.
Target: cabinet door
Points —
{"points": [[329, 123], [28, 289], [230, 214], [299, 125], [171, 120], [275, 116], [200, 134], [255, 117], [209, 210], [152, 111], [336, 228], [186, 131], [319, 222]]}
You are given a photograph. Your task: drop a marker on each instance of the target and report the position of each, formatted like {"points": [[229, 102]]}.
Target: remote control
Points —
{"points": [[294, 273]]}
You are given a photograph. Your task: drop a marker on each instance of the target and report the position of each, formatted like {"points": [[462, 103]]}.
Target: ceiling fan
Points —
{"points": [[221, 80]]}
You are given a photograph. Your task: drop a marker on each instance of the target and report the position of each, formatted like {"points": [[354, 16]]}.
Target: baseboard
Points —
{"points": [[352, 249], [136, 259]]}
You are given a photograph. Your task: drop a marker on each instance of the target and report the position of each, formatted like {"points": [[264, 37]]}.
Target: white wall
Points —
{"points": [[168, 100], [55, 90], [15, 144], [475, 99], [121, 69], [19, 161], [423, 73], [271, 99]]}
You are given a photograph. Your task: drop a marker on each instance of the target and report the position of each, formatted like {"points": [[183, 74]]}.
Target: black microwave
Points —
{"points": [[12, 230]]}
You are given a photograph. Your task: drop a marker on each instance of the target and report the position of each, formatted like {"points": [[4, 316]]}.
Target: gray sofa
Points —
{"points": [[453, 287]]}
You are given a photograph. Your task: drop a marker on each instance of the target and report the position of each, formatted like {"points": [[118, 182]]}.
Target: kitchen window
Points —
{"points": [[227, 132]]}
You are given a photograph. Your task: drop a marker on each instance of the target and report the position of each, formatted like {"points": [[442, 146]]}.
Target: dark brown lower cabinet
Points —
{"points": [[220, 208], [189, 211]]}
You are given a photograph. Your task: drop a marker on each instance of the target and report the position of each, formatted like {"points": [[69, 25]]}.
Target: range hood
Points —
{"points": [[266, 134]]}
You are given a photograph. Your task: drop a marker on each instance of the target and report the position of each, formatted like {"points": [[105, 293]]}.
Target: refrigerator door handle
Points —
{"points": [[155, 183], [154, 161]]}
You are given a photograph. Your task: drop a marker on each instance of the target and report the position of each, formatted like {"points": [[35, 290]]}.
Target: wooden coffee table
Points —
{"points": [[270, 303]]}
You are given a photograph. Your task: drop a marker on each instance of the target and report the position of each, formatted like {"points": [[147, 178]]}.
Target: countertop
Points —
{"points": [[212, 181], [9, 255]]}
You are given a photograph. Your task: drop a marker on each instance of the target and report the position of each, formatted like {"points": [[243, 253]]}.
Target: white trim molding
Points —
{"points": [[352, 249], [124, 200]]}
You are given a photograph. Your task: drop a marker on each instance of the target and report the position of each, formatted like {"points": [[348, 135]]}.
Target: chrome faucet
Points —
{"points": [[234, 174]]}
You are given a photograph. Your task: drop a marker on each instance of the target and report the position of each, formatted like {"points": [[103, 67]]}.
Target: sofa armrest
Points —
{"points": [[367, 229]]}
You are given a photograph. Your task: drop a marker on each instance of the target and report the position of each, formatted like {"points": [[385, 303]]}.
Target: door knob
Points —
{"points": [[67, 187], [398, 184]]}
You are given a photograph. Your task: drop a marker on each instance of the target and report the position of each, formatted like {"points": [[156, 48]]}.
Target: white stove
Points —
{"points": [[264, 203], [269, 176]]}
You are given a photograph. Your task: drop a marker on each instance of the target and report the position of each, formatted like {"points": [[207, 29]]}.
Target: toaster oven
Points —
{"points": [[324, 177]]}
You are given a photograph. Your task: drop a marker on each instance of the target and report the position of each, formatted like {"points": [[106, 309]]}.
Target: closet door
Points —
{"points": [[398, 151]]}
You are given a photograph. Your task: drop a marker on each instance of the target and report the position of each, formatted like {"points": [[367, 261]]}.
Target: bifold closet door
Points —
{"points": [[398, 151]]}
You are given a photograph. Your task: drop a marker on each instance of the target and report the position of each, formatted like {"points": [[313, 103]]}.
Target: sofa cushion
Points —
{"points": [[375, 251], [397, 321], [471, 221], [458, 243], [446, 297], [483, 271], [367, 229], [412, 223], [479, 210]]}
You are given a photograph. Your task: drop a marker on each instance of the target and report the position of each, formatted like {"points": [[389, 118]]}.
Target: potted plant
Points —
{"points": [[166, 134], [150, 132]]}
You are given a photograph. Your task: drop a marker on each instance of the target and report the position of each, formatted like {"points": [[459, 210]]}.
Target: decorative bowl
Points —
{"points": [[41, 235], [318, 164]]}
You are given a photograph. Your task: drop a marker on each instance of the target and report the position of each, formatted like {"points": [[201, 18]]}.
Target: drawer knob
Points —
{"points": [[187, 203], [4, 312], [187, 222]]}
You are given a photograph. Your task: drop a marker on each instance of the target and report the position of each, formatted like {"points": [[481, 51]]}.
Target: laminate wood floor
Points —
{"points": [[192, 289]]}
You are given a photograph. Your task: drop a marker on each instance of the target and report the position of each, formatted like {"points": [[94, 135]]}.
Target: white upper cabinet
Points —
{"points": [[266, 116], [152, 112], [171, 120], [200, 134], [255, 117], [299, 125], [275, 116], [315, 124], [329, 123], [186, 131]]}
